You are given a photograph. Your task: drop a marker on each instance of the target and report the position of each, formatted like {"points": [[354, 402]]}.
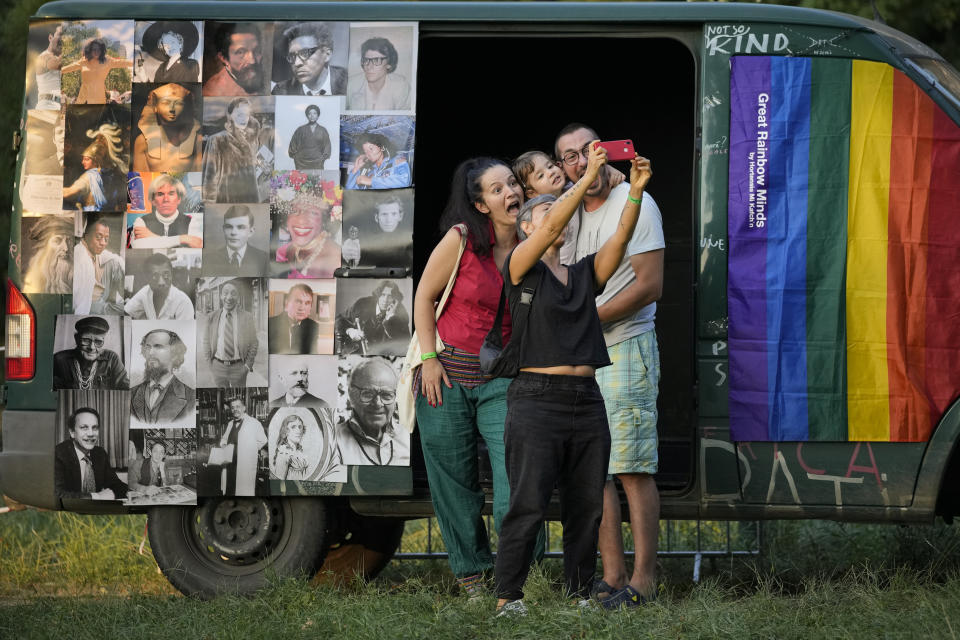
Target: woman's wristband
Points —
{"points": [[426, 356], [634, 200]]}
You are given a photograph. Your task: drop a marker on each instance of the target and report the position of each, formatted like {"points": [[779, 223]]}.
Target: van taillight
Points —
{"points": [[21, 336]]}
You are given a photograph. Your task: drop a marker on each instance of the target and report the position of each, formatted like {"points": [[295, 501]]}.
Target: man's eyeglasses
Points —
{"points": [[86, 342], [376, 62], [367, 396], [572, 157], [304, 54]]}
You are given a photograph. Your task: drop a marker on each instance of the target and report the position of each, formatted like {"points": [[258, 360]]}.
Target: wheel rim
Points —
{"points": [[238, 536]]}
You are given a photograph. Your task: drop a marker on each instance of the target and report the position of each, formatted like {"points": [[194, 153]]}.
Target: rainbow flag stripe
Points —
{"points": [[844, 272]]}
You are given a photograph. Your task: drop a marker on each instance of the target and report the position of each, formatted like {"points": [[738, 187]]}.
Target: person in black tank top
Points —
{"points": [[556, 432]]}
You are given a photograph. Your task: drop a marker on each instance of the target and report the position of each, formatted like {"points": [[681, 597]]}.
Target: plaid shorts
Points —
{"points": [[629, 390]]}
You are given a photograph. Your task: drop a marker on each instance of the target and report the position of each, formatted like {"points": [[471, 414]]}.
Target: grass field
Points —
{"points": [[63, 575]]}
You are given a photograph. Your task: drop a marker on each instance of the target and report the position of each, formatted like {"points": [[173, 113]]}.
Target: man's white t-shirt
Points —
{"points": [[595, 228]]}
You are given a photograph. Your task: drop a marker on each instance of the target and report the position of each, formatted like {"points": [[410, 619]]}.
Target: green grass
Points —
{"points": [[84, 576]]}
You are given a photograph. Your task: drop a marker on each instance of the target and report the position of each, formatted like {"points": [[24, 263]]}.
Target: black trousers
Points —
{"points": [[556, 434]]}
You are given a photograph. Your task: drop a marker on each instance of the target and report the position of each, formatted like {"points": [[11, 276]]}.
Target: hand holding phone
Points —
{"points": [[618, 150]]}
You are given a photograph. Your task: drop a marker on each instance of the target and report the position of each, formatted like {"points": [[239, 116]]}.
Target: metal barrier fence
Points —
{"points": [[697, 539]]}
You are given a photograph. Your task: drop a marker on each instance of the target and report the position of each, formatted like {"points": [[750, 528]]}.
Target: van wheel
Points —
{"points": [[237, 545], [365, 549]]}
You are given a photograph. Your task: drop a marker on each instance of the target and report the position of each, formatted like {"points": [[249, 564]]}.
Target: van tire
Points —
{"points": [[238, 545], [367, 546]]}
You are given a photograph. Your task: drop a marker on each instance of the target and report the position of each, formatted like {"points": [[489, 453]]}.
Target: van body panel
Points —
{"points": [[727, 480]]}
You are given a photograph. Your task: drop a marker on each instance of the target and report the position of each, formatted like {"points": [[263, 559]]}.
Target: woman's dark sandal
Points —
{"points": [[627, 597]]}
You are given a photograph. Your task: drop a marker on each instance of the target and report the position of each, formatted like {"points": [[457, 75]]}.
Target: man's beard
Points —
{"points": [[250, 79], [154, 372], [298, 390], [51, 273]]}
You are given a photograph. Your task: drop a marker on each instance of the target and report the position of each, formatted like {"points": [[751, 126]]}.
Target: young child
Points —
{"points": [[540, 175]]}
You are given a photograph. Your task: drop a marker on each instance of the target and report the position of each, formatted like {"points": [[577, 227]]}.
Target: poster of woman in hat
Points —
{"points": [[382, 151], [98, 140], [168, 51]]}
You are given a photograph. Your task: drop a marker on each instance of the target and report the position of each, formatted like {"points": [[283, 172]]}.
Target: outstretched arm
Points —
{"points": [[608, 258], [529, 252]]}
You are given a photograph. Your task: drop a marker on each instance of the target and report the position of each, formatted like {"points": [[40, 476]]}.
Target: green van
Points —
{"points": [[806, 163]]}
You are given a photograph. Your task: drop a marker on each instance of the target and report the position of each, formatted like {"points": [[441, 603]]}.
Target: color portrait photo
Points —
{"points": [[97, 61], [301, 316], [306, 210], [377, 151], [96, 158], [167, 127], [382, 67], [236, 58], [98, 264], [44, 59]]}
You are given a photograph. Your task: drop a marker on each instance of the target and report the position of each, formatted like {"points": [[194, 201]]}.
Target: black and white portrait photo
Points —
{"points": [[41, 180], [159, 283], [308, 133], [168, 51], [89, 353], [309, 58], [232, 454], [237, 239], [377, 151], [163, 374], [378, 228], [96, 158], [301, 316], [162, 467], [303, 381], [98, 265], [238, 148], [367, 429], [302, 447], [383, 67], [46, 253], [373, 316], [236, 58], [91, 451], [167, 127], [232, 321], [44, 59], [97, 61]]}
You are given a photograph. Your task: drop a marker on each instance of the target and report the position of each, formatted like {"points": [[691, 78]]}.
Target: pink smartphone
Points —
{"points": [[618, 150]]}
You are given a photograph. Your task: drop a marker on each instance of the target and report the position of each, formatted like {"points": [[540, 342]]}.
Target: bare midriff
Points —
{"points": [[583, 370]]}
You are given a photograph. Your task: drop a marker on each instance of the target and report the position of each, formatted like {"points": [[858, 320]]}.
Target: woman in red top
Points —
{"points": [[456, 403]]}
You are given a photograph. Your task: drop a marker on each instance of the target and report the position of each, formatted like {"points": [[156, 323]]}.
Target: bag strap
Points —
{"points": [[519, 315], [462, 228]]}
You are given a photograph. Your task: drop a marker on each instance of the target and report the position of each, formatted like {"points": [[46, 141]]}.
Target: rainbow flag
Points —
{"points": [[844, 235]]}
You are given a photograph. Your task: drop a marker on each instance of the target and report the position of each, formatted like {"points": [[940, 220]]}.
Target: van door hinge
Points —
{"points": [[17, 139], [3, 395]]}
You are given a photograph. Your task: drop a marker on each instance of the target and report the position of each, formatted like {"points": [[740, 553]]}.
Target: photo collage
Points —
{"points": [[221, 199]]}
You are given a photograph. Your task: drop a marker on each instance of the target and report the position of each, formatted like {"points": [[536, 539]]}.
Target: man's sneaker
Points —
{"points": [[512, 609]]}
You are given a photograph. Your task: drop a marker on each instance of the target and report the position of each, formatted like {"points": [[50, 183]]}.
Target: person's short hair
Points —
{"points": [[236, 287], [92, 222], [526, 212], [385, 47], [236, 102], [164, 180], [88, 49], [374, 138], [176, 345], [387, 284], [300, 286], [311, 107], [570, 128], [318, 30], [524, 164], [239, 210], [226, 30], [72, 418], [389, 200], [158, 260], [239, 399]]}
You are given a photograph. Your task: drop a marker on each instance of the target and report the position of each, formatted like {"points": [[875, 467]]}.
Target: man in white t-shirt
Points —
{"points": [[627, 308]]}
